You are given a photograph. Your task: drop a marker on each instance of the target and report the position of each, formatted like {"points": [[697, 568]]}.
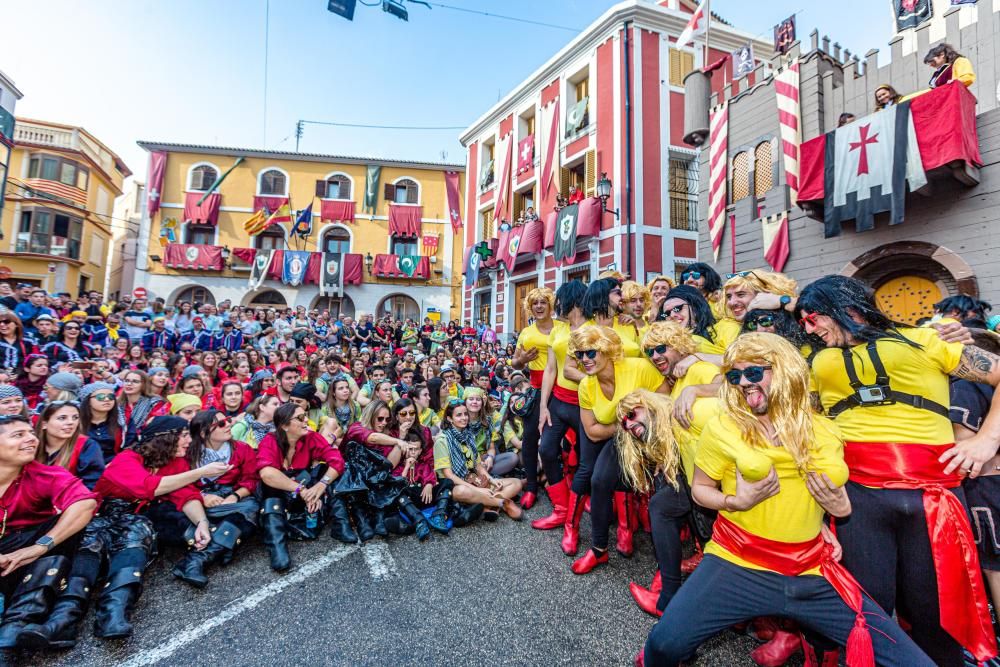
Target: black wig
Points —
{"points": [[597, 300], [713, 282], [840, 297], [569, 296], [702, 319]]}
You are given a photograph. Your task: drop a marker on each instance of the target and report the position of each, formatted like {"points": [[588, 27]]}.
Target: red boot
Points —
{"points": [[646, 599], [559, 495], [763, 628], [589, 561], [623, 507], [640, 658], [528, 499], [657, 584], [826, 659], [642, 509], [776, 652], [689, 564], [571, 529]]}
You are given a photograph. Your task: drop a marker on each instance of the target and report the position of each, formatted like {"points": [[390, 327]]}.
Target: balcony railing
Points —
{"points": [[26, 132]]}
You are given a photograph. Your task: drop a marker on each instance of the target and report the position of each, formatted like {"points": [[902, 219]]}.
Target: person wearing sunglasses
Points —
{"points": [[69, 346], [229, 501], [559, 409], [62, 443], [887, 387], [609, 377], [658, 288], [706, 280], [687, 306], [602, 305], [532, 351], [773, 468], [137, 404], [44, 510], [99, 418]]}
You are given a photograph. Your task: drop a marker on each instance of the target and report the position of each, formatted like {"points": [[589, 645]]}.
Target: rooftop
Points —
{"points": [[289, 155]]}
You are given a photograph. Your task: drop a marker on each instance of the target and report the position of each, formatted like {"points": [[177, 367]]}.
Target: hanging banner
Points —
{"points": [[454, 202], [332, 280], [295, 264], [372, 178], [258, 270]]}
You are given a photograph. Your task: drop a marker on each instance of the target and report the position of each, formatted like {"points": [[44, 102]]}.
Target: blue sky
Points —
{"points": [[192, 71]]}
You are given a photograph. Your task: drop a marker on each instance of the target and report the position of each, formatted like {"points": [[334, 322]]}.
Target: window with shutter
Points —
{"points": [[202, 178], [565, 180], [406, 192], [741, 176], [269, 239], [681, 64], [763, 178], [488, 230], [389, 192], [272, 182], [590, 174], [683, 186], [337, 186]]}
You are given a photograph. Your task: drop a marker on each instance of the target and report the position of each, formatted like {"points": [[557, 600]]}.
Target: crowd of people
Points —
{"points": [[832, 470]]}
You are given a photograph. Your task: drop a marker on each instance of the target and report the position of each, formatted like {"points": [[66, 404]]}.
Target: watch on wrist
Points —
{"points": [[327, 480], [784, 300], [45, 541]]}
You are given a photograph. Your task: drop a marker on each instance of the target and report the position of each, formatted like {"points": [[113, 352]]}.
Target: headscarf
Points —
{"points": [[180, 401]]}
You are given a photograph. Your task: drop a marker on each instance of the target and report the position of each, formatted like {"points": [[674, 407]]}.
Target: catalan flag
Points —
{"points": [[256, 223]]}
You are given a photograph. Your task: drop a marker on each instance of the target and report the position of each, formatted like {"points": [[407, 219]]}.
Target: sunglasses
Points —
{"points": [[739, 274], [694, 275], [381, 420], [104, 397], [225, 421], [301, 418], [659, 349], [581, 354], [808, 318], [753, 374], [677, 309], [762, 321]]}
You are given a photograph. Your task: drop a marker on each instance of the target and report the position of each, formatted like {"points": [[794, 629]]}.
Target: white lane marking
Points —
{"points": [[194, 632], [381, 564]]}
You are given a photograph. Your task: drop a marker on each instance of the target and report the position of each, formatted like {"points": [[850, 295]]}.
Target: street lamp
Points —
{"points": [[604, 191], [369, 260]]}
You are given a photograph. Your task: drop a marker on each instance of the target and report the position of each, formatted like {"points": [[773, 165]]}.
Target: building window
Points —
{"points": [[200, 234], [523, 201], [583, 275], [741, 176], [195, 296], [683, 195], [486, 177], [489, 231], [269, 239], [49, 233], [762, 169], [273, 182], [337, 186], [202, 178], [337, 240], [53, 168], [681, 64], [407, 192], [403, 246]]}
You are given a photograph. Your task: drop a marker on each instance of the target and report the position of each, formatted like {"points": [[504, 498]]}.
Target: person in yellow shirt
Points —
{"points": [[706, 280], [532, 351], [949, 66], [559, 406], [687, 306], [887, 389], [609, 377], [773, 468]]}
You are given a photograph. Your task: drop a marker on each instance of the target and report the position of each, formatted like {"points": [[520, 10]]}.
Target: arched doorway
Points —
{"points": [[910, 276], [342, 306], [194, 294], [399, 307], [268, 299]]}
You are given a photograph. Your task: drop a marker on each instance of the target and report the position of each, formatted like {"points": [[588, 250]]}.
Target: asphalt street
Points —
{"points": [[500, 594]]}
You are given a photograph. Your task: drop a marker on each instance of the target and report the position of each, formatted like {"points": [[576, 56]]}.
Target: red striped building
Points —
{"points": [[616, 93]]}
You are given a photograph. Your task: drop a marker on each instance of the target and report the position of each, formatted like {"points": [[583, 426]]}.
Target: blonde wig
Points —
{"points": [[640, 459], [596, 337], [536, 294], [657, 279], [652, 308], [761, 281], [609, 273], [788, 400], [672, 334], [632, 290]]}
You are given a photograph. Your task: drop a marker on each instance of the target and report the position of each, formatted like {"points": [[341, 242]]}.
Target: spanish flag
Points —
{"points": [[256, 223], [281, 216]]}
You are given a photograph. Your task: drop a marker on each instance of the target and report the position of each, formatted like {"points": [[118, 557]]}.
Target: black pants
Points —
{"points": [[589, 450], [887, 549], [529, 449], [669, 510], [564, 416], [19, 539], [413, 492], [606, 479]]}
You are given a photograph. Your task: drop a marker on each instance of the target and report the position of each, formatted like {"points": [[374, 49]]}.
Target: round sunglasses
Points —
{"points": [[753, 374]]}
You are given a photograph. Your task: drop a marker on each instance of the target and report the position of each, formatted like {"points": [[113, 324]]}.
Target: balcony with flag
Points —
{"points": [[410, 267], [194, 257]]}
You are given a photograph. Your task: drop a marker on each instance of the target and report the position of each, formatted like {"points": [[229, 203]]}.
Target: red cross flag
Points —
{"points": [[696, 26]]}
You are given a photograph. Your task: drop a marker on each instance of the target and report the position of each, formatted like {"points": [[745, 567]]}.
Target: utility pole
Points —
{"points": [[299, 129]]}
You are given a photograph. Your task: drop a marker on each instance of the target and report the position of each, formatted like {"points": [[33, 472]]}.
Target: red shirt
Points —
{"points": [[39, 493], [127, 478], [576, 197], [423, 469], [311, 447], [358, 433], [243, 474]]}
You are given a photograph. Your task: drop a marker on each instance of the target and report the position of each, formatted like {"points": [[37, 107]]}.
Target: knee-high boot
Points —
{"points": [[439, 517], [274, 525], [61, 628], [415, 517], [559, 495], [115, 604], [623, 510], [571, 529], [340, 526], [463, 515], [359, 511], [33, 597], [191, 568]]}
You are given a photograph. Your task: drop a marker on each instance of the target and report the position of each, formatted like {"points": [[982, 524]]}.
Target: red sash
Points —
{"points": [[792, 559], [536, 378], [74, 458], [961, 595], [566, 395]]}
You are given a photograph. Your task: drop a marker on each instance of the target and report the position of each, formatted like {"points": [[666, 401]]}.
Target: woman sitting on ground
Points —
{"points": [[61, 443], [257, 422], [99, 418], [138, 405], [481, 427]]}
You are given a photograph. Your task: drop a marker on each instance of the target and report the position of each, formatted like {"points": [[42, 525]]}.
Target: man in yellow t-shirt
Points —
{"points": [[887, 389], [772, 468]]}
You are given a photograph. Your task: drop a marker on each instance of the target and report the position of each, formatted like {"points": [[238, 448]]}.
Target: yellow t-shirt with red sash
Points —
{"points": [[630, 374], [559, 344], [531, 338]]}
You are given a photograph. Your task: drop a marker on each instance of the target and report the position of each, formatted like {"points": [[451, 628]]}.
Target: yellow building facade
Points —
{"points": [[57, 216], [334, 186]]}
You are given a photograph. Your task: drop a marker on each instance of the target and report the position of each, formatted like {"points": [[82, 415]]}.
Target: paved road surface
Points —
{"points": [[491, 594]]}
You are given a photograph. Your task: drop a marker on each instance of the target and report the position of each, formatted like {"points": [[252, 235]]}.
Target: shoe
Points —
{"points": [[571, 529], [491, 515], [589, 561], [410, 512], [340, 524], [559, 495], [191, 569], [116, 602], [61, 629], [689, 564], [439, 517], [763, 628], [645, 598], [39, 584], [378, 522], [511, 509], [463, 515], [825, 659], [640, 658], [395, 525], [656, 585], [274, 525], [528, 499], [623, 511], [776, 652], [363, 521]]}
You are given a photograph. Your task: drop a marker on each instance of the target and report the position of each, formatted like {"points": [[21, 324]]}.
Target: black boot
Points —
{"points": [[191, 568], [395, 524], [416, 517], [340, 526], [61, 629], [439, 518], [274, 525], [363, 522], [463, 515], [33, 597], [115, 604], [378, 522]]}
